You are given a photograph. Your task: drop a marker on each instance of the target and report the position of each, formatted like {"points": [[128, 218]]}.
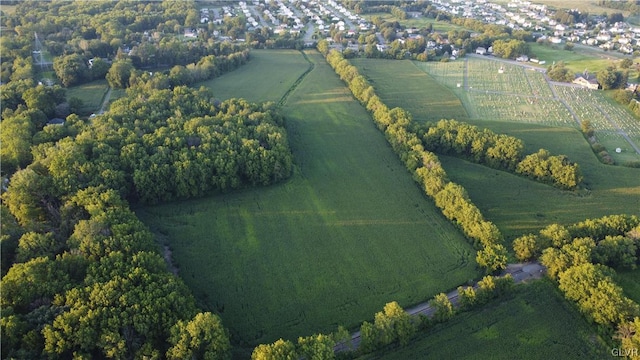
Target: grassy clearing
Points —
{"points": [[579, 59], [419, 22], [266, 77], [518, 205], [401, 83], [630, 282], [91, 94], [535, 323], [590, 6], [346, 234]]}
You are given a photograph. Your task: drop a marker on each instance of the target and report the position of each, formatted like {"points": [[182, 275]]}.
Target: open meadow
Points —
{"points": [[401, 83], [518, 205], [349, 232], [266, 77], [534, 323], [577, 60], [91, 93], [418, 22]]}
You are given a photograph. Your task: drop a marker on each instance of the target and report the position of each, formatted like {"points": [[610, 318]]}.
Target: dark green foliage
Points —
{"points": [[556, 170], [559, 72], [612, 78], [452, 137]]}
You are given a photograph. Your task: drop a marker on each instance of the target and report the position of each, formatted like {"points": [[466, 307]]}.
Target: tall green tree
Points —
{"points": [[203, 337], [119, 73], [71, 69]]}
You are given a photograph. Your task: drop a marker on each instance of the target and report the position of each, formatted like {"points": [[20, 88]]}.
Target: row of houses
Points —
{"points": [[526, 15]]}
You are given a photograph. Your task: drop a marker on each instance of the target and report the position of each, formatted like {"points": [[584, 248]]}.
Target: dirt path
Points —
{"points": [[521, 272], [105, 102]]}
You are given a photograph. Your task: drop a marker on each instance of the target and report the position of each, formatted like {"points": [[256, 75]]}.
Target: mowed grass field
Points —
{"points": [[91, 93], [630, 282], [518, 205], [578, 59], [535, 323], [349, 232], [401, 83], [418, 22], [266, 77]]}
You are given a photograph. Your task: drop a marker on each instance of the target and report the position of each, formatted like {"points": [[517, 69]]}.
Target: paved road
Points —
{"points": [[521, 272]]}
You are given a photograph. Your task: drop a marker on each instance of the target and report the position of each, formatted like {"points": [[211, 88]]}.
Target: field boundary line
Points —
{"points": [[286, 95]]}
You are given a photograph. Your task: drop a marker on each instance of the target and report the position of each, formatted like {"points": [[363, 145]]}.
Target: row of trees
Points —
{"points": [[499, 151], [392, 325], [451, 198], [578, 257], [123, 73], [607, 232]]}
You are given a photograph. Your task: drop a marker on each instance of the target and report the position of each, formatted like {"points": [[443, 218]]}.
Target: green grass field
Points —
{"points": [[401, 83], [535, 323], [91, 94], [630, 282], [419, 22], [577, 60], [266, 77], [349, 232], [518, 205]]}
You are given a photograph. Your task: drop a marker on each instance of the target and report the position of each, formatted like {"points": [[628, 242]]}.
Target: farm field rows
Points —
{"points": [[346, 234], [535, 320], [400, 83]]}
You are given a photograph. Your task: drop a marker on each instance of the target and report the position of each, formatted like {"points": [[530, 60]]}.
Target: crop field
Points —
{"points": [[536, 320], [349, 232], [252, 82], [91, 94], [518, 205], [401, 83]]}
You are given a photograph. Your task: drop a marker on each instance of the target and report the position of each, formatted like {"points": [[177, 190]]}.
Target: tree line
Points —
{"points": [[391, 326], [581, 257], [425, 167], [499, 151]]}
